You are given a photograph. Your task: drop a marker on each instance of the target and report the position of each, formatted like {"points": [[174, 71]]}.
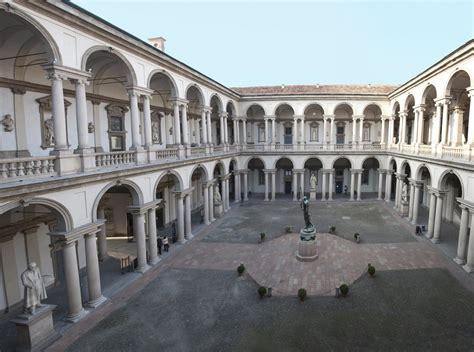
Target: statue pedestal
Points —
{"points": [[404, 208], [307, 245], [218, 210], [312, 195], [35, 332]]}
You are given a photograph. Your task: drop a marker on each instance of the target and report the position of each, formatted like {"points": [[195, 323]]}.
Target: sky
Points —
{"points": [[263, 42]]}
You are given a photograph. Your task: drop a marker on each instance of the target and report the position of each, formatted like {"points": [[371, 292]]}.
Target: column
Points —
{"points": [[211, 202], [225, 194], [295, 130], [205, 190], [266, 130], [180, 227], [438, 216], [302, 136], [221, 124], [331, 140], [93, 274], [469, 267], [176, 124], [209, 127], [187, 214], [102, 240], [416, 203], [411, 201], [204, 127], [403, 124], [184, 123], [421, 122], [354, 121], [147, 121], [431, 215], [325, 128], [135, 120], [226, 137], [237, 124], [237, 187], [59, 120], [295, 185], [266, 186], [457, 126], [152, 244], [323, 195], [273, 131], [359, 185], [379, 195], [73, 287], [390, 136], [234, 127], [244, 131], [437, 124], [246, 189], [388, 185], [444, 128], [81, 115], [331, 183], [140, 238], [414, 135], [397, 190], [273, 173], [302, 183], [462, 239], [382, 132], [470, 130], [361, 130], [352, 185]]}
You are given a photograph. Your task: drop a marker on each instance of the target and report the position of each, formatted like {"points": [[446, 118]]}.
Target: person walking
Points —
{"points": [[160, 244], [166, 244]]}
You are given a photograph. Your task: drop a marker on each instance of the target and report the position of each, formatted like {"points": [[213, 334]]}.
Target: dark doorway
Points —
{"points": [[288, 139], [339, 186], [287, 187]]}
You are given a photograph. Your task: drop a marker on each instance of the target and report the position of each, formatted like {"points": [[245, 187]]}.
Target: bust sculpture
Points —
{"points": [[313, 181], [8, 123], [34, 288]]}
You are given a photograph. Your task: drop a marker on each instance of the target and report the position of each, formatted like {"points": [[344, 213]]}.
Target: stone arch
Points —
{"points": [[403, 168], [374, 105], [419, 171], [255, 107], [236, 163], [313, 157], [254, 157], [132, 80], [392, 165], [395, 107], [171, 80], [283, 157], [443, 178], [376, 157], [217, 99], [177, 175], [409, 99], [351, 163], [198, 89], [462, 75], [203, 170], [275, 111], [220, 166], [429, 91], [343, 104], [133, 188], [313, 105]]}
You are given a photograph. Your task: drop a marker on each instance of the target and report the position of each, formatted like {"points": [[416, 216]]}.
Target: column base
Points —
{"points": [[468, 268], [459, 261], [428, 235], [188, 237], [182, 241], [76, 317], [207, 222], [351, 200], [96, 302], [435, 240], [154, 261], [414, 222], [212, 219], [143, 269]]}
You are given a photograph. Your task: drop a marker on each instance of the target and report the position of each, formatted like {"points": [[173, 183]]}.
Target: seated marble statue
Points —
{"points": [[217, 197], [34, 288]]}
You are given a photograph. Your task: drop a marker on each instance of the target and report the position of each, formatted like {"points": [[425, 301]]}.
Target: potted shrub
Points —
{"points": [[262, 291], [332, 229], [262, 236], [302, 294], [241, 269], [288, 229], [357, 237], [344, 289], [371, 270]]}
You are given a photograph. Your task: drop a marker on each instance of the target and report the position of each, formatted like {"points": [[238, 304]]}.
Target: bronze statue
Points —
{"points": [[307, 219]]}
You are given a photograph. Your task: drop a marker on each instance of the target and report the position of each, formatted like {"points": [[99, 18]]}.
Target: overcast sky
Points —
{"points": [[249, 43]]}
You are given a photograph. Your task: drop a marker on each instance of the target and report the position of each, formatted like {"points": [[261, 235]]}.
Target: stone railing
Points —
{"points": [[219, 149], [115, 158], [167, 154], [253, 147], [342, 146], [310, 147], [425, 149], [284, 147], [27, 167], [371, 147], [453, 152], [196, 151]]}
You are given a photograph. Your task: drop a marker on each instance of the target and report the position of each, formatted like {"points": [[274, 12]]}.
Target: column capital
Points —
{"points": [[268, 117], [470, 91], [358, 117], [223, 114], [56, 71], [205, 108], [243, 171], [299, 117], [382, 171], [385, 117], [184, 193], [69, 237], [446, 100], [356, 171], [465, 204], [298, 171], [329, 117], [419, 108], [142, 209], [136, 90], [269, 171], [403, 113], [437, 192], [400, 176], [416, 183]]}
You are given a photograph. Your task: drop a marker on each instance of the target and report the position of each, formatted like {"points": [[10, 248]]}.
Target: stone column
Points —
{"points": [[180, 218], [206, 205], [421, 122], [184, 123], [152, 244], [331, 140], [323, 175], [359, 185], [458, 126], [244, 131], [351, 198], [140, 239], [361, 131], [325, 129], [59, 120], [470, 131], [295, 130], [211, 203], [246, 189], [354, 127], [225, 194], [266, 187], [188, 234], [234, 126], [177, 125], [302, 136], [81, 115], [379, 195], [331, 183], [226, 137], [221, 124], [437, 124], [411, 201], [391, 122], [135, 120], [414, 135], [147, 121], [416, 203], [295, 186], [75, 311], [301, 173], [388, 185], [469, 267], [438, 218], [209, 127], [204, 127], [273, 131], [93, 274], [382, 132], [266, 129], [431, 215], [273, 172], [462, 239], [237, 187], [102, 239], [444, 128]]}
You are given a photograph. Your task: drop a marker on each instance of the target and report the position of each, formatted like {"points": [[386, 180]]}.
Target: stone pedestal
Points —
{"points": [[404, 207], [312, 195], [35, 332], [307, 245], [218, 210]]}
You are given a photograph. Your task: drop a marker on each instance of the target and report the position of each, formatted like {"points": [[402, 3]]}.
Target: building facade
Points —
{"points": [[104, 135]]}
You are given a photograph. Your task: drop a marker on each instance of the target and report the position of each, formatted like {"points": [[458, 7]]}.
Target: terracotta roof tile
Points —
{"points": [[316, 89]]}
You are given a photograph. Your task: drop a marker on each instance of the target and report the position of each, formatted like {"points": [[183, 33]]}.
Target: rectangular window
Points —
{"points": [[314, 134], [116, 124], [366, 136], [116, 143], [261, 133]]}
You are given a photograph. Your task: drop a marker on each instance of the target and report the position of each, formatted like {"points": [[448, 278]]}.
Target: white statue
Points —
{"points": [[155, 132], [404, 192], [217, 196], [313, 182], [49, 132], [91, 127], [8, 123], [34, 288]]}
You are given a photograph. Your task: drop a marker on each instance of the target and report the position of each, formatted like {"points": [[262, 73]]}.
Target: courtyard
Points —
{"points": [[195, 301]]}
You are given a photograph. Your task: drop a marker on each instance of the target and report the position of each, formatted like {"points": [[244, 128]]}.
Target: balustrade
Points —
{"points": [[20, 168]]}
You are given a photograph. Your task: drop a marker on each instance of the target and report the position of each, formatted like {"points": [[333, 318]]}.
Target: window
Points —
{"points": [[366, 133], [261, 177], [314, 132], [117, 133], [288, 173], [261, 133]]}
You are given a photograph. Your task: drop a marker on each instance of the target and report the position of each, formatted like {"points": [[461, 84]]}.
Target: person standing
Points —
{"points": [[166, 244], [160, 244]]}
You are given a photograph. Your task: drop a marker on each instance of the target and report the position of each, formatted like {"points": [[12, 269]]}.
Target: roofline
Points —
{"points": [[107, 23], [418, 76]]}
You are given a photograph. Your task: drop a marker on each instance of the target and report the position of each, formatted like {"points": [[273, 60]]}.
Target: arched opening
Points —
{"points": [[256, 178], [459, 110], [234, 135], [233, 186], [217, 129], [284, 179], [396, 123], [168, 190], [256, 130], [372, 125], [342, 176], [197, 182], [162, 109], [370, 179], [195, 100], [219, 192], [289, 132], [429, 116], [314, 115], [409, 126], [392, 181], [312, 166], [343, 114]]}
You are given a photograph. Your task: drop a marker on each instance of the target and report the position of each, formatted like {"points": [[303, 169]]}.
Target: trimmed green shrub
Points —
{"points": [[262, 236], [241, 269], [356, 235], [371, 270], [344, 289], [302, 294], [332, 229], [262, 291], [288, 229]]}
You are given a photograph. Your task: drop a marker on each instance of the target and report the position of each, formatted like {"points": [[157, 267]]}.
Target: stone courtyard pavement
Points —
{"points": [[193, 300]]}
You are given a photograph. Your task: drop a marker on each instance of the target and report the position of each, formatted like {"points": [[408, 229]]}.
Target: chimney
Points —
{"points": [[158, 42]]}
